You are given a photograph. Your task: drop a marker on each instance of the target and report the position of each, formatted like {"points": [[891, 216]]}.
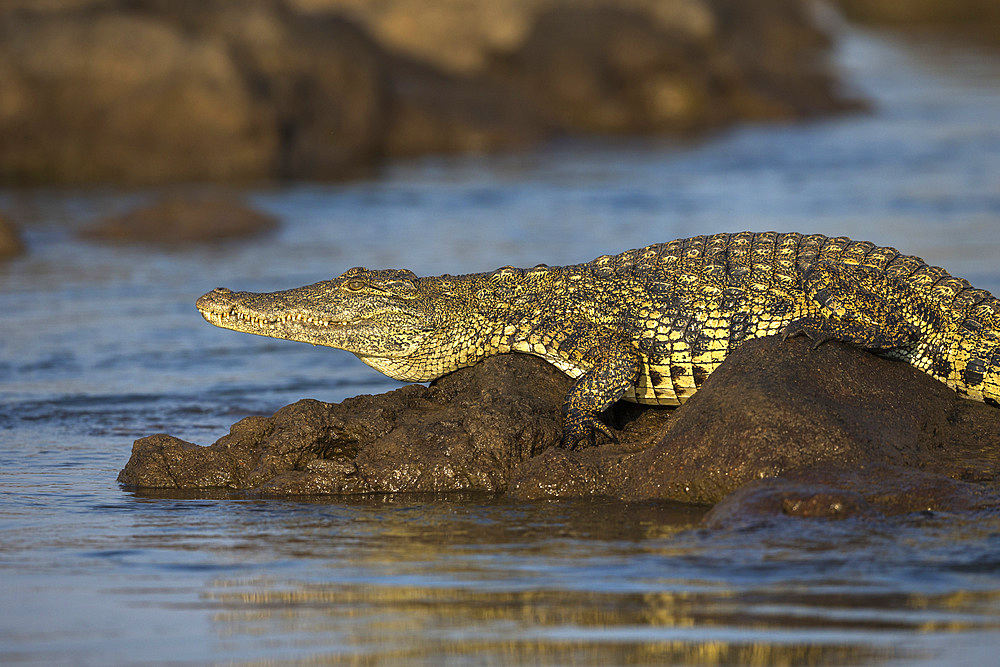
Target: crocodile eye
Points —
{"points": [[354, 285]]}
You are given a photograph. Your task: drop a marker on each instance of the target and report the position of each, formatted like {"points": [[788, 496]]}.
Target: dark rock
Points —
{"points": [[468, 431], [779, 430], [777, 497], [843, 492], [323, 82], [184, 219], [609, 70], [10, 239], [777, 406]]}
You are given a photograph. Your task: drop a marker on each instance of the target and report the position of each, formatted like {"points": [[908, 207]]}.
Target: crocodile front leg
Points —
{"points": [[862, 306], [616, 367]]}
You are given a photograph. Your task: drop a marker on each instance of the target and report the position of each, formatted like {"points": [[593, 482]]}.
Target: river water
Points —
{"points": [[100, 345]]}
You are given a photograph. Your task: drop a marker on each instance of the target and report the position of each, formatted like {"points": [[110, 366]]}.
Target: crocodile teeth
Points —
{"points": [[263, 322]]}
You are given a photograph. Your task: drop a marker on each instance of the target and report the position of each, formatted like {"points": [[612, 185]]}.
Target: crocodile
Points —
{"points": [[647, 325]]}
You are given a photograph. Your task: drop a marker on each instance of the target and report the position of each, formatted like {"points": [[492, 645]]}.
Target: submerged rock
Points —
{"points": [[840, 492], [184, 219], [831, 432], [10, 239]]}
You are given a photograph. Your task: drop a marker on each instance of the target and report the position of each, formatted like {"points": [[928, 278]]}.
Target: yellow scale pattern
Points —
{"points": [[688, 303]]}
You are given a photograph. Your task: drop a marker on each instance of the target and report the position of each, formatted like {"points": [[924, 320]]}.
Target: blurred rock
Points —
{"points": [[10, 239], [148, 91], [319, 78], [922, 12], [184, 219], [963, 22], [435, 112], [608, 70], [110, 95], [154, 91], [462, 36], [773, 60]]}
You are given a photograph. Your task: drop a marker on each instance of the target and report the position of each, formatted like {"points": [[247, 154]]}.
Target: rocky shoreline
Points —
{"points": [[779, 430], [157, 91]]}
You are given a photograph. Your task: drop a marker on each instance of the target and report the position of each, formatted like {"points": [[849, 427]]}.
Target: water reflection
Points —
{"points": [[570, 627], [429, 580]]}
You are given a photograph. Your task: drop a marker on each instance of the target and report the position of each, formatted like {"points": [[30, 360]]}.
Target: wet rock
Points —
{"points": [[777, 497], [468, 431], [184, 219], [776, 406], [779, 430], [10, 239], [868, 491]]}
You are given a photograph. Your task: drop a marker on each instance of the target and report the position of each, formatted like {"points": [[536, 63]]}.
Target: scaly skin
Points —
{"points": [[648, 325]]}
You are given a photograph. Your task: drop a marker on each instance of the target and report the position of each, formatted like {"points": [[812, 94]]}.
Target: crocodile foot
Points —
{"points": [[580, 430]]}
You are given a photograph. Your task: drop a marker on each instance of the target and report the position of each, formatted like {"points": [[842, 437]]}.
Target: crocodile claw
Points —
{"points": [[582, 433], [798, 328]]}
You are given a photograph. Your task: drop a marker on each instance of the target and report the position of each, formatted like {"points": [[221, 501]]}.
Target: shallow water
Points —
{"points": [[100, 345]]}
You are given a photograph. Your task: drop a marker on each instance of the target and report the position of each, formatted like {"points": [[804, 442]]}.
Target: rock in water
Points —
{"points": [[833, 432], [468, 431], [184, 219], [10, 239], [775, 407]]}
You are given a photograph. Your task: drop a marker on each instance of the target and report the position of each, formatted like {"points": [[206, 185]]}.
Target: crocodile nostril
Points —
{"points": [[223, 290]]}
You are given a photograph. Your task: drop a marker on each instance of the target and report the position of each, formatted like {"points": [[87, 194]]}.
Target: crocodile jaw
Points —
{"points": [[364, 336]]}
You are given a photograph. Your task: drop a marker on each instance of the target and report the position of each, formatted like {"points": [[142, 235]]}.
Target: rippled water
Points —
{"points": [[100, 345]]}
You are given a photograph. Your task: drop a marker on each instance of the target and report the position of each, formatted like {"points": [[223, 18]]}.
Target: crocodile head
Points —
{"points": [[381, 316]]}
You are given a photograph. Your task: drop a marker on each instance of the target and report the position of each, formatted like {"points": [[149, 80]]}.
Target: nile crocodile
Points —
{"points": [[648, 325]]}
